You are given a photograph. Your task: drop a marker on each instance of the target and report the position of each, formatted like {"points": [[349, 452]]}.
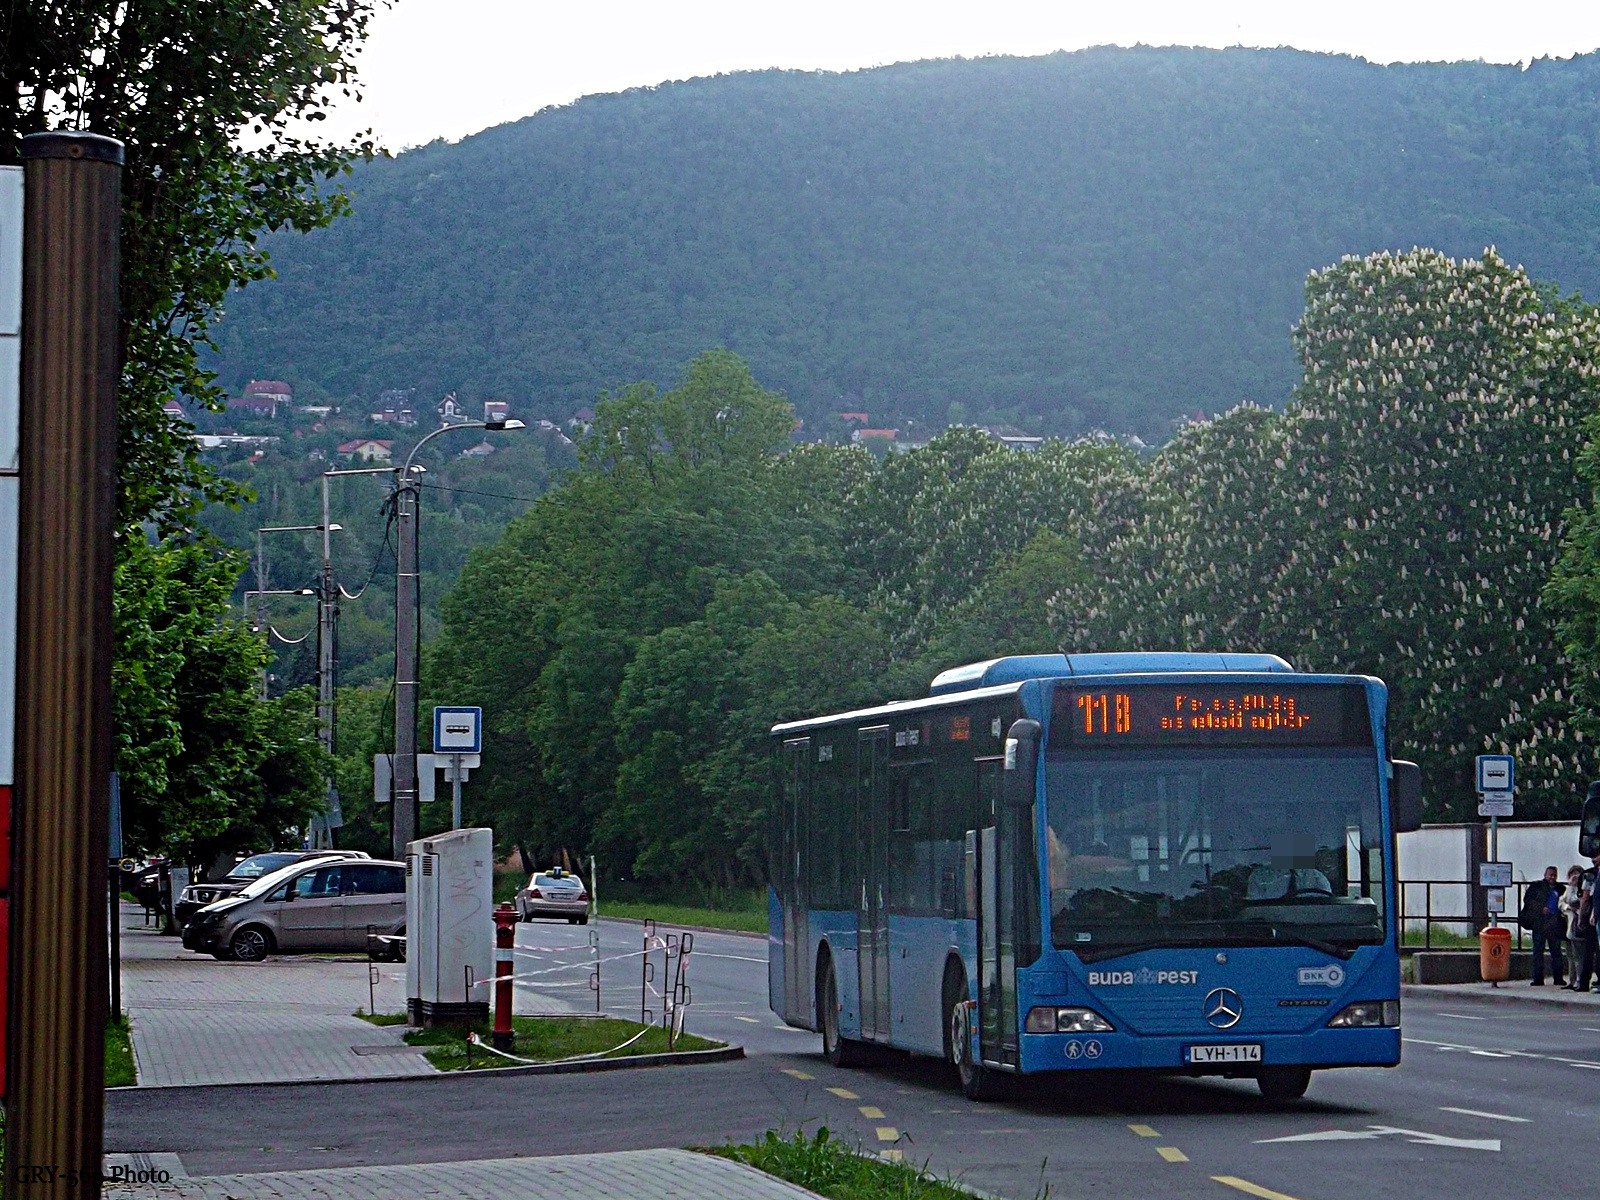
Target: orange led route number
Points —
{"points": [[1198, 714]]}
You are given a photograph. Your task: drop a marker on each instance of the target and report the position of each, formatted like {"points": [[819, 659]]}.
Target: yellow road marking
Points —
{"points": [[888, 1133], [796, 1074], [892, 1155], [1144, 1131], [1172, 1154], [844, 1093], [872, 1112], [1252, 1189]]}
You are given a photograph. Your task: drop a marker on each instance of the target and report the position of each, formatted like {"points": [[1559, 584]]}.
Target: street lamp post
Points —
{"points": [[405, 811]]}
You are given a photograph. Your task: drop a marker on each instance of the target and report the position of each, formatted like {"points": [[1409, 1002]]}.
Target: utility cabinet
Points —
{"points": [[449, 927]]}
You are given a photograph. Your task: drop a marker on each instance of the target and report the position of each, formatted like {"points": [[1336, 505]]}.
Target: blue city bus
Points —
{"points": [[1174, 862]]}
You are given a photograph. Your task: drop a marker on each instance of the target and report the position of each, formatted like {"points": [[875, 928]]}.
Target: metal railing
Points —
{"points": [[1456, 903]]}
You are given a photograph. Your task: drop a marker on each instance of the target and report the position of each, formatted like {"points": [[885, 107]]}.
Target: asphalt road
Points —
{"points": [[1493, 1100]]}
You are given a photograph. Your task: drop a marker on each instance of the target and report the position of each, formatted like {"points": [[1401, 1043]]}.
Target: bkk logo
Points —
{"points": [[1331, 975], [1143, 976]]}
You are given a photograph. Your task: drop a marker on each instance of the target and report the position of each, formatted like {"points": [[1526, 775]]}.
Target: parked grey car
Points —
{"points": [[245, 872], [309, 907]]}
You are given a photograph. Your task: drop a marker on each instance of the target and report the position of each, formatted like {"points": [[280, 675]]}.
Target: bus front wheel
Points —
{"points": [[977, 1081], [1283, 1083], [839, 1051]]}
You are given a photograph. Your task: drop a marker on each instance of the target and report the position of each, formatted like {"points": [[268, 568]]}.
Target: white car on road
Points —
{"points": [[554, 893]]}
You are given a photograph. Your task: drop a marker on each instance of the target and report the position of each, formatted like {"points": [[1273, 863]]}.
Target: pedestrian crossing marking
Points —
{"points": [[1172, 1154], [1144, 1131], [844, 1093], [796, 1074], [872, 1112], [888, 1133]]}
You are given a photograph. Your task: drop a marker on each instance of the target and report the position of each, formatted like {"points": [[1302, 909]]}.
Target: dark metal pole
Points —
{"points": [[56, 1035], [404, 811]]}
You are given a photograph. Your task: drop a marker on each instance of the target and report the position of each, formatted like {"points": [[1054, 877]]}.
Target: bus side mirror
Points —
{"points": [[1589, 828], [1022, 761], [1405, 797]]}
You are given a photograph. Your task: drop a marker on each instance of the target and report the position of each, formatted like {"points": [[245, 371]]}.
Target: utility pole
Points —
{"points": [[327, 618], [406, 812], [66, 492]]}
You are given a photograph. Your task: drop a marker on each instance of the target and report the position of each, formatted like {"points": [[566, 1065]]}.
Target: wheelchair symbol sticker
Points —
{"points": [[1091, 1049]]}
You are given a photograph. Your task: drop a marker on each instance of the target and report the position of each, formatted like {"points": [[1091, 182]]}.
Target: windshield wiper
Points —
{"points": [[1279, 934]]}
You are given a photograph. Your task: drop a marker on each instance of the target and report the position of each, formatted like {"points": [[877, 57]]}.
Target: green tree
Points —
{"points": [[1400, 518], [205, 764]]}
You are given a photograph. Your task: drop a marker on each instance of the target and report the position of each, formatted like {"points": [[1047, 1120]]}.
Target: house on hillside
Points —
{"points": [[859, 418], [453, 412], [368, 450], [482, 450], [1010, 435], [174, 411], [395, 407], [861, 436], [496, 412], [262, 398], [581, 420]]}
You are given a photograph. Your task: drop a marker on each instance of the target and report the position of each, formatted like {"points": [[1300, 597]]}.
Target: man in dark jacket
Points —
{"points": [[1541, 913]]}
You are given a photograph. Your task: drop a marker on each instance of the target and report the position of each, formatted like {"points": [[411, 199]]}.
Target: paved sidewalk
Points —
{"points": [[195, 1020], [1511, 992], [625, 1175]]}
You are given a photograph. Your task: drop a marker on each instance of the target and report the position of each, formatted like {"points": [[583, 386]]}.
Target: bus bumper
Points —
{"points": [[1377, 1047]]}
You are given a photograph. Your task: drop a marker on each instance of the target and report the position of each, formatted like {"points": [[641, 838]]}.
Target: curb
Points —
{"points": [[683, 1058], [1477, 994], [744, 933]]}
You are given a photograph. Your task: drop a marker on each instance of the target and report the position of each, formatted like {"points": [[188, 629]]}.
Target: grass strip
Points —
{"points": [[547, 1039], [380, 1018], [744, 920], [120, 1070], [824, 1165]]}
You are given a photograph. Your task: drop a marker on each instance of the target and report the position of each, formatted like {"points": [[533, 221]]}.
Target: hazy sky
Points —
{"points": [[447, 68]]}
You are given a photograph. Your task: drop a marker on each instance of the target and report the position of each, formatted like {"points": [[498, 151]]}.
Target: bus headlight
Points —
{"points": [[1367, 1014], [1066, 1020]]}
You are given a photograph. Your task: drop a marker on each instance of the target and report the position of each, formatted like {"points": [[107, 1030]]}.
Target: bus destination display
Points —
{"points": [[1203, 715]]}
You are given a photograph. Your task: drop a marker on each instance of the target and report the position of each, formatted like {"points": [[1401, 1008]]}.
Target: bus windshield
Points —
{"points": [[1227, 847]]}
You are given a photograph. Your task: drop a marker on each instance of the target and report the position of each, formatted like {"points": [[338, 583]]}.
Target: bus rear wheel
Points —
{"points": [[839, 1051], [1283, 1083]]}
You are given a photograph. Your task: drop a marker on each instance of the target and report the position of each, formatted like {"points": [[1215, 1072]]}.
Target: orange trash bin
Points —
{"points": [[1494, 954]]}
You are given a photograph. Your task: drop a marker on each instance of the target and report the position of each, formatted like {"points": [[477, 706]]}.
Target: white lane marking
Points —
{"points": [[1460, 1017], [1491, 1054], [1488, 1116], [1415, 1136], [748, 1020], [735, 957], [1588, 1029], [1589, 1066]]}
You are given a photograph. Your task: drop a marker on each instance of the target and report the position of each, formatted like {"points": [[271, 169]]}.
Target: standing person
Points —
{"points": [[1588, 942], [1571, 899], [1541, 913]]}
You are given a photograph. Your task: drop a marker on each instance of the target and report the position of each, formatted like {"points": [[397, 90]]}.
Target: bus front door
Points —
{"points": [[792, 880], [997, 847], [872, 918]]}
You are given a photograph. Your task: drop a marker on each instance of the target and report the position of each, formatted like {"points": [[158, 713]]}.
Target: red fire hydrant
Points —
{"points": [[505, 932]]}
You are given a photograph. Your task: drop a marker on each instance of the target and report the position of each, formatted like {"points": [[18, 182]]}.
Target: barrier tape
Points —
{"points": [[548, 1062]]}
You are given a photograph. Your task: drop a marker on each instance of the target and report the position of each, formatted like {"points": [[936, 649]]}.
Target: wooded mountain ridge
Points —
{"points": [[1109, 238]]}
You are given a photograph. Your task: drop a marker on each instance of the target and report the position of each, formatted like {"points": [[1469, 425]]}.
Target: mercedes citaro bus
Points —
{"points": [[1181, 863]]}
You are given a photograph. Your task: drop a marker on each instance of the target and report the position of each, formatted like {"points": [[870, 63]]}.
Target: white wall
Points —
{"points": [[1443, 852]]}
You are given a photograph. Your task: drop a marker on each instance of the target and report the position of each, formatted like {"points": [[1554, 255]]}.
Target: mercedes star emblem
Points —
{"points": [[1222, 1008]]}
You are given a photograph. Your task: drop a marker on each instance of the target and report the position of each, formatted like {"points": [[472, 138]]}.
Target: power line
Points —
{"points": [[441, 487]]}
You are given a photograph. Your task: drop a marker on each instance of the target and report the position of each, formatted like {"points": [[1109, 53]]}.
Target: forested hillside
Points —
{"points": [[1112, 237]]}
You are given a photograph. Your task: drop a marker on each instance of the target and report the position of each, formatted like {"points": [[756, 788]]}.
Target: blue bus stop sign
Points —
{"points": [[458, 731], [1497, 774]]}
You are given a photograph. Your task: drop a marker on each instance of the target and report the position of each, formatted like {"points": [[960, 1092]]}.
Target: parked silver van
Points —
{"points": [[314, 906]]}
